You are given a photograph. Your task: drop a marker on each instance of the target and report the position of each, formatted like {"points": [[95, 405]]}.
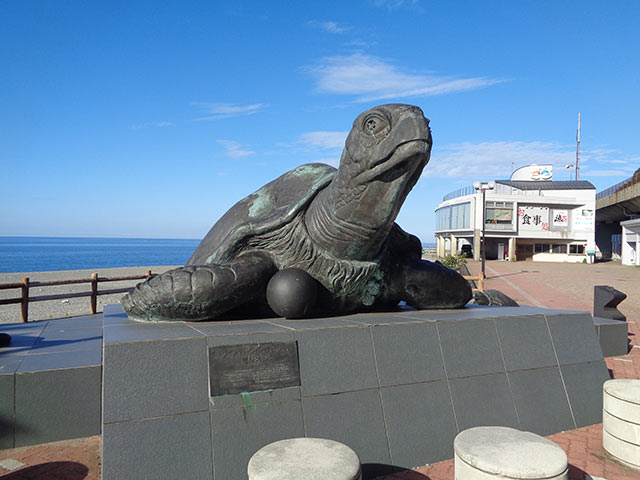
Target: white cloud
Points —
{"points": [[329, 27], [234, 149], [493, 160], [218, 111], [141, 126], [324, 140], [606, 173], [371, 78]]}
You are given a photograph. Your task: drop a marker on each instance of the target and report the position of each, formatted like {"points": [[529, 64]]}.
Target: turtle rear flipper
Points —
{"points": [[200, 292]]}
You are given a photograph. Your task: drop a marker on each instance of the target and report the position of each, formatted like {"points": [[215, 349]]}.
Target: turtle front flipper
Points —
{"points": [[200, 292]]}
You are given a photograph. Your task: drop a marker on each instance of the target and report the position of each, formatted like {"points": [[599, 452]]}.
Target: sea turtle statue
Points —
{"points": [[335, 225]]}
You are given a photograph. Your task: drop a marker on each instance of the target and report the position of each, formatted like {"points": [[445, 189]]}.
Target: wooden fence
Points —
{"points": [[25, 285], [479, 279]]}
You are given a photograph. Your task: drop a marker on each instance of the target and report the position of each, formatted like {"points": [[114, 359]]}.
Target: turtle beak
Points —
{"points": [[411, 155]]}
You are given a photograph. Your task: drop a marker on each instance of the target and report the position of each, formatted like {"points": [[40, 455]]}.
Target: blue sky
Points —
{"points": [[150, 119]]}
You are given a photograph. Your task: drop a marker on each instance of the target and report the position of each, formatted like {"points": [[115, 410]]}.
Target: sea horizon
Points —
{"points": [[52, 253]]}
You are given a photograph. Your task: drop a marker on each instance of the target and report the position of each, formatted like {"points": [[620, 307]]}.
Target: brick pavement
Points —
{"points": [[565, 286]]}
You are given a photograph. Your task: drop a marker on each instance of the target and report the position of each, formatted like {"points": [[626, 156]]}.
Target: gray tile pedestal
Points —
{"points": [[394, 387]]}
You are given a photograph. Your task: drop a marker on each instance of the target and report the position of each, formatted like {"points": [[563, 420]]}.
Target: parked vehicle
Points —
{"points": [[467, 250]]}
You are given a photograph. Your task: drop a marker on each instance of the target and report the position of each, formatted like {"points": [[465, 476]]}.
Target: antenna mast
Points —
{"points": [[578, 150]]}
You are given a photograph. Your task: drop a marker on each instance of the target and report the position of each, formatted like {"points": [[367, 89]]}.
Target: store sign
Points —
{"points": [[560, 218], [542, 173], [533, 218], [533, 172], [584, 220]]}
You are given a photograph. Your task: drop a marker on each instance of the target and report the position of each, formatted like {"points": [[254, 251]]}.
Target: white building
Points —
{"points": [[528, 217], [630, 251]]}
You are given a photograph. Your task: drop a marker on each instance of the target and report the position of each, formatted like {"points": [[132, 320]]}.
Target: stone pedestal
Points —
{"points": [[498, 453], [197, 400], [305, 459], [621, 420]]}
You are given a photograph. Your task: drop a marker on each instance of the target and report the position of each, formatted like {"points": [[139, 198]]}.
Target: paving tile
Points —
{"points": [[315, 324], [238, 433], [336, 360], [7, 420], [541, 401], [174, 447], [574, 337], [354, 419], [470, 347], [64, 340], [61, 360], [407, 353], [76, 322], [250, 399], [58, 404], [420, 423], [154, 378], [145, 332], [584, 387], [525, 342], [115, 315], [485, 400], [237, 328], [9, 364], [283, 336]]}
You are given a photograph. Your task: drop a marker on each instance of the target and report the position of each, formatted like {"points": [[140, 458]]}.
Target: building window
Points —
{"points": [[454, 217], [576, 249], [543, 248], [499, 215], [559, 248]]}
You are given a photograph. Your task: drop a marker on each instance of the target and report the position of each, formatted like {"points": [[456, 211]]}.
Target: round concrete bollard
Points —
{"points": [[490, 453], [621, 420], [305, 459]]}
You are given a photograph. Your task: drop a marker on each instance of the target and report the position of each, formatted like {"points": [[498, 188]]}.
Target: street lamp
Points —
{"points": [[483, 186]]}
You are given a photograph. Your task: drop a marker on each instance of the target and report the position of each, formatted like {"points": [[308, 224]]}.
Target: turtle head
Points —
{"points": [[383, 158], [386, 142]]}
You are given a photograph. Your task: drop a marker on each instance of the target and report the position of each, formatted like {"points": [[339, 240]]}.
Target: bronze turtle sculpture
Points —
{"points": [[336, 225]]}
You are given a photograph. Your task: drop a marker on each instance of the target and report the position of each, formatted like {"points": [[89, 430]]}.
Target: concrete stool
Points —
{"points": [[489, 453], [304, 459], [621, 420]]}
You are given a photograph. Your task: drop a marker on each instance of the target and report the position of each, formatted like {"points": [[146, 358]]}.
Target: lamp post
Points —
{"points": [[483, 187]]}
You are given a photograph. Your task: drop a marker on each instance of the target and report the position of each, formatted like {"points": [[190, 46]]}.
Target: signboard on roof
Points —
{"points": [[533, 172]]}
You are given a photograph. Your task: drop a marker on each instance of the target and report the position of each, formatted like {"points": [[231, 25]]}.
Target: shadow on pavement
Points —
{"points": [[50, 471], [372, 471]]}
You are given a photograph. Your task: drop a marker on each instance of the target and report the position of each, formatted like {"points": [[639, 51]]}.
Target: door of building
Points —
{"points": [[525, 251]]}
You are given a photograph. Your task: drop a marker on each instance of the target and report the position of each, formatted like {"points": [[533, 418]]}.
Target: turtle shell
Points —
{"points": [[270, 207]]}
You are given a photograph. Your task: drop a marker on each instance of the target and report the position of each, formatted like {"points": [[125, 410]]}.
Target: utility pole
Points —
{"points": [[578, 150]]}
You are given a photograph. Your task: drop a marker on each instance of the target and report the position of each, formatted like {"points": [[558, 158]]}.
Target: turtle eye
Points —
{"points": [[375, 125]]}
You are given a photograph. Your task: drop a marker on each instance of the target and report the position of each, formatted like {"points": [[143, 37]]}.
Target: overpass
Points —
{"points": [[614, 205]]}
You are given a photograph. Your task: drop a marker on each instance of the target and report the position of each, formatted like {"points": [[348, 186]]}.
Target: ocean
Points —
{"points": [[41, 254]]}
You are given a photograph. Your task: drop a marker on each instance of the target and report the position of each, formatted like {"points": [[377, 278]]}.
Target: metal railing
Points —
{"points": [[26, 284], [461, 192], [635, 178]]}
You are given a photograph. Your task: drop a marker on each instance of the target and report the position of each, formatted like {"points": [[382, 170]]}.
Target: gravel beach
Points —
{"points": [[72, 306]]}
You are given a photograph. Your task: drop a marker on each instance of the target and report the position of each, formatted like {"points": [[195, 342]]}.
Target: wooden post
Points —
{"points": [[148, 273], [481, 282], [94, 293], [24, 307]]}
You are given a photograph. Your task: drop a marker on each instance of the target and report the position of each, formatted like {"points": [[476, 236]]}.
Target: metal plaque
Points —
{"points": [[253, 366]]}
